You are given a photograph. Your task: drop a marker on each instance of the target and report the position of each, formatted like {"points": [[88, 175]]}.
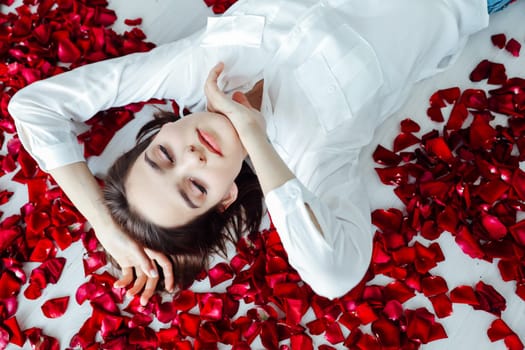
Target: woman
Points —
{"points": [[330, 72]]}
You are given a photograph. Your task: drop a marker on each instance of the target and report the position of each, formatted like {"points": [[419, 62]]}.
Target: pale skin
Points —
{"points": [[179, 165]]}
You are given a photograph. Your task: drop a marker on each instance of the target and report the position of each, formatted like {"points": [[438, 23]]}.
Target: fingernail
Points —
{"points": [[153, 273], [143, 302]]}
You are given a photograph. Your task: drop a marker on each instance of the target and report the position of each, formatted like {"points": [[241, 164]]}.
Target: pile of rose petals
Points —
{"points": [[464, 180]]}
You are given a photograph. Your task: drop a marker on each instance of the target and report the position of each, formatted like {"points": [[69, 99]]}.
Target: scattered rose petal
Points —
{"points": [[404, 140], [220, 273], [54, 308], [514, 47], [499, 40], [464, 295], [133, 22]]}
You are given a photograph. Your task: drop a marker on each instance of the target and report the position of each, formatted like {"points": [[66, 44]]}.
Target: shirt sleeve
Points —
{"points": [[46, 112], [331, 262]]}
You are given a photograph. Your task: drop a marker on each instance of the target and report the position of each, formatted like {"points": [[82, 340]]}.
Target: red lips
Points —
{"points": [[209, 142]]}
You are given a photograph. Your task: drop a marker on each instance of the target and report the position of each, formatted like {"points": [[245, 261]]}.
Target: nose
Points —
{"points": [[196, 154]]}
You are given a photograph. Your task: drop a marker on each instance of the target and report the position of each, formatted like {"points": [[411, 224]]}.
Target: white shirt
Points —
{"points": [[333, 70]]}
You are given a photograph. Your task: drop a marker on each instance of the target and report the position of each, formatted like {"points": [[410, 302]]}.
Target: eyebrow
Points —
{"points": [[182, 193]]}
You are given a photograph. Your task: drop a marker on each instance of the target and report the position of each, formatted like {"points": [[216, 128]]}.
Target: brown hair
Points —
{"points": [[189, 246]]}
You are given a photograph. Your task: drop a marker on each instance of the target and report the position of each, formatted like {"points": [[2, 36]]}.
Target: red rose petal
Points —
{"points": [[514, 47], [489, 299], [399, 291], [387, 333], [185, 300], [498, 330], [16, 335], [9, 285], [481, 71], [365, 313], [409, 126], [474, 98], [386, 157], [513, 342], [393, 310], [210, 306], [404, 140], [468, 243], [39, 340], [457, 116], [482, 135], [133, 22], [54, 308], [387, 220], [439, 148], [442, 305], [518, 232], [495, 229], [93, 261], [499, 40], [334, 334], [142, 338], [422, 327], [301, 342], [220, 273], [497, 74], [43, 250], [434, 285], [464, 295], [189, 324]]}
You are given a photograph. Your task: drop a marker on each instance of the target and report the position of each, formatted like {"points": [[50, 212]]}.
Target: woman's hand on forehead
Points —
{"points": [[244, 117]]}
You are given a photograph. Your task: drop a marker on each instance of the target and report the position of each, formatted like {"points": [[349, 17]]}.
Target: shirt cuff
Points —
{"points": [[283, 199], [287, 207]]}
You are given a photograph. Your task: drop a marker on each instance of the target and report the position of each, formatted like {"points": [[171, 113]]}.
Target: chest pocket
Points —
{"points": [[339, 77]]}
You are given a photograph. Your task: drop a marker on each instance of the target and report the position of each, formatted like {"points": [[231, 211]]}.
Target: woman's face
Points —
{"points": [[188, 168]]}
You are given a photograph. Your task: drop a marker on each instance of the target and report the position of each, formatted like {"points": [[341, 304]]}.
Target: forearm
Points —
{"points": [[79, 184], [271, 170]]}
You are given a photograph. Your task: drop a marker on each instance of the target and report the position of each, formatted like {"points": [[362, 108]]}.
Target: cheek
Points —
{"points": [[222, 179]]}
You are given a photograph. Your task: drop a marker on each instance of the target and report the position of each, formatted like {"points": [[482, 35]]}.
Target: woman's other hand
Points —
{"points": [[83, 190], [244, 117], [137, 263]]}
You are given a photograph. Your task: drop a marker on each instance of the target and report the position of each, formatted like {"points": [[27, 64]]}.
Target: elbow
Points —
{"points": [[17, 103], [14, 106], [31, 100], [333, 285], [338, 273]]}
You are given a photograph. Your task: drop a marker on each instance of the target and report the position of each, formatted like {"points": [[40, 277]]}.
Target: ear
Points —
{"points": [[229, 198]]}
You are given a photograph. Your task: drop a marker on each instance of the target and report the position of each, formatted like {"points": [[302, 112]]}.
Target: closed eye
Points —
{"points": [[199, 186], [166, 153], [150, 162]]}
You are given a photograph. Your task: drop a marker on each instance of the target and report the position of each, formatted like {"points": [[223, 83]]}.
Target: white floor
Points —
{"points": [[165, 20]]}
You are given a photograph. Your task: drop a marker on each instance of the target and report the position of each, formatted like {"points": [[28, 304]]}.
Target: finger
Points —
{"points": [[145, 264], [213, 76], [126, 279], [166, 266], [211, 87], [148, 291], [140, 281]]}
